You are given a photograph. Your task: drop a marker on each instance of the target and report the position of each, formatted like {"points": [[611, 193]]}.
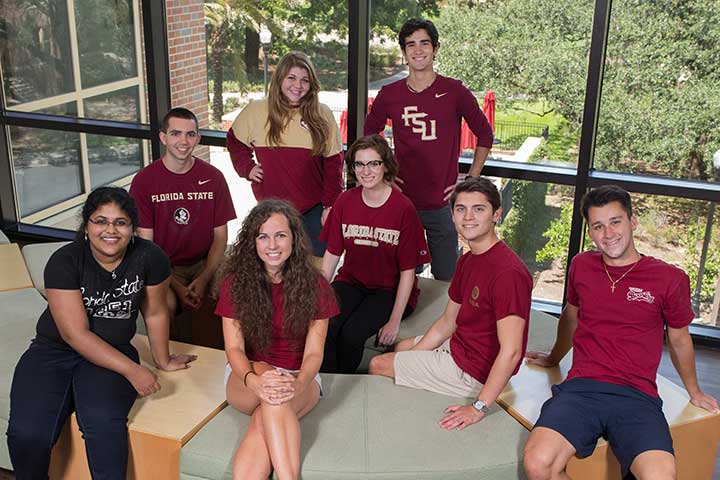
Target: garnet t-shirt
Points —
{"points": [[488, 287], [284, 351], [619, 334], [379, 242]]}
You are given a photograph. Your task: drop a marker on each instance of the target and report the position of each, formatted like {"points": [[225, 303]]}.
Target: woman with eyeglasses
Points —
{"points": [[296, 145], [379, 231], [81, 358]]}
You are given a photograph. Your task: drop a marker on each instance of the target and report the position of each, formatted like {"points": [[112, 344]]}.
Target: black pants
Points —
{"points": [[48, 384], [363, 312]]}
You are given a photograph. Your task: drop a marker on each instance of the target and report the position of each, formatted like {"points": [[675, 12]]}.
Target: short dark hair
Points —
{"points": [[600, 196], [102, 196], [380, 145], [414, 24], [179, 112], [477, 184]]}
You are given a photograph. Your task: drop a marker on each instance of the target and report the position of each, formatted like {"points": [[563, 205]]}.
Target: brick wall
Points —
{"points": [[188, 60]]}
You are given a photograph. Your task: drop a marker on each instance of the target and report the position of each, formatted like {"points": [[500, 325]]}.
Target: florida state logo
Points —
{"points": [[181, 216]]}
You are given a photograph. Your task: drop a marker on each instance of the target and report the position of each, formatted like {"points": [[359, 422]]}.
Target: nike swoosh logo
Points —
{"points": [[438, 95], [203, 182]]}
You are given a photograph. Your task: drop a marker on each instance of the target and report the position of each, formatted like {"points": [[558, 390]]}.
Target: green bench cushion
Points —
{"points": [[366, 427]]}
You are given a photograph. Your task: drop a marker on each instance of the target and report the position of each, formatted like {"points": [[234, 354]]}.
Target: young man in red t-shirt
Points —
{"points": [[619, 304], [426, 110], [184, 206], [478, 342]]}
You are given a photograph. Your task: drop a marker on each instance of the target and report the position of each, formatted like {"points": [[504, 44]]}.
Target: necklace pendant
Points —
{"points": [[612, 288], [115, 276]]}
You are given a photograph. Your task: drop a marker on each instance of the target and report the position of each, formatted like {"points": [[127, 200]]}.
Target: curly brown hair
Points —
{"points": [[251, 290], [280, 111]]}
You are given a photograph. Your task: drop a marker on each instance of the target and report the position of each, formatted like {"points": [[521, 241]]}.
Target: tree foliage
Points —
{"points": [[661, 90]]}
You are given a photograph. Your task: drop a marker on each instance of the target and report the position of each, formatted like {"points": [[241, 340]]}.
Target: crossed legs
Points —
{"points": [[272, 440]]}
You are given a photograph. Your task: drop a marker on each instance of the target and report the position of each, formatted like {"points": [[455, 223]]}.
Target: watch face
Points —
{"points": [[480, 406]]}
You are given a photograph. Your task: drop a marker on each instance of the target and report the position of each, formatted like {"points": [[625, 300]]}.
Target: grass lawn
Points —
{"points": [[562, 143]]}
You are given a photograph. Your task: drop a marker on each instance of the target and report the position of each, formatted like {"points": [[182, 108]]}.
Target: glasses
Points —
{"points": [[104, 222], [373, 164]]}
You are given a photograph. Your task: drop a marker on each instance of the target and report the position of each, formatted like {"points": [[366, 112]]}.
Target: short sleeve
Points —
{"points": [[158, 268], [511, 295], [327, 304], [138, 191], [224, 209], [332, 230], [62, 270], [413, 249], [676, 309], [572, 296], [455, 290], [225, 306]]}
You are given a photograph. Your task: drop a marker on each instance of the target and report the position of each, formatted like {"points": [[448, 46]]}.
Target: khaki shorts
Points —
{"points": [[185, 274], [434, 370]]}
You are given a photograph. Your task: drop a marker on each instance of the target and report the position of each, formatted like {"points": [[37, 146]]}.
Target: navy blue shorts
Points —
{"points": [[582, 410], [311, 220]]}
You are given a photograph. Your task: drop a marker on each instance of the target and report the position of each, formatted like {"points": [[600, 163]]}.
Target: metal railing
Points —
{"points": [[510, 135]]}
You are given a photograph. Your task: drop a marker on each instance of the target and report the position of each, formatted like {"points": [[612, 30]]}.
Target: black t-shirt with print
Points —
{"points": [[112, 304]]}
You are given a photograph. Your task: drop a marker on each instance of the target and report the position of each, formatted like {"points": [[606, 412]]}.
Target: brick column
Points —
{"points": [[187, 50]]}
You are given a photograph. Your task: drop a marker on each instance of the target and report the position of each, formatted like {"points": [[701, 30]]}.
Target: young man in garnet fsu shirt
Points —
{"points": [[478, 342], [426, 110], [619, 305], [184, 205]]}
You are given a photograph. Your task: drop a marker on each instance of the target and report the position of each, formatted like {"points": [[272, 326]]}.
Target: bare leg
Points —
{"points": [[405, 344], [252, 459], [547, 453], [282, 430], [655, 465], [383, 364]]}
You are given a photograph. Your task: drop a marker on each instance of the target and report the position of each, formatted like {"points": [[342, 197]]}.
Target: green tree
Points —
{"points": [[661, 89]]}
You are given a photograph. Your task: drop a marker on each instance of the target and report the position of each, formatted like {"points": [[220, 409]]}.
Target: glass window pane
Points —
{"points": [[120, 105], [112, 158], [235, 69], [106, 41], [47, 167], [661, 91], [35, 50], [532, 56], [536, 225]]}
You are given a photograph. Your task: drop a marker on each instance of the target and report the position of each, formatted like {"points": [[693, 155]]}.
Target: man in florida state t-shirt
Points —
{"points": [[619, 305]]}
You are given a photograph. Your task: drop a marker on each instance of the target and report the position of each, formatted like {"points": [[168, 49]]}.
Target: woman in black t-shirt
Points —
{"points": [[81, 358]]}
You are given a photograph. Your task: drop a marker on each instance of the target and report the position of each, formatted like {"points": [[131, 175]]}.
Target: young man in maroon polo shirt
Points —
{"points": [[478, 342], [620, 303], [426, 110], [184, 206]]}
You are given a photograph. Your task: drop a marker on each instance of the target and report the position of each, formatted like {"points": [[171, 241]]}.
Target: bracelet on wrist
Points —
{"points": [[245, 377]]}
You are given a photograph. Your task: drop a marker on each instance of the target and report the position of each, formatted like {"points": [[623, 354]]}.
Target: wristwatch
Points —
{"points": [[480, 406]]}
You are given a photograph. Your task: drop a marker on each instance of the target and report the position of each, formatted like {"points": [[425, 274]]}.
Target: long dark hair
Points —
{"points": [[251, 290], [102, 196]]}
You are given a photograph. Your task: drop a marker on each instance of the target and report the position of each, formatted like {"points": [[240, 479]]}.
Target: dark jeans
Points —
{"points": [[313, 226], [48, 384], [363, 312], [442, 239]]}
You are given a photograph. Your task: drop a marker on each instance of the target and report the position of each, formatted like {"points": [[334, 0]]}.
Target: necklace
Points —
{"points": [[113, 275], [615, 282]]}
